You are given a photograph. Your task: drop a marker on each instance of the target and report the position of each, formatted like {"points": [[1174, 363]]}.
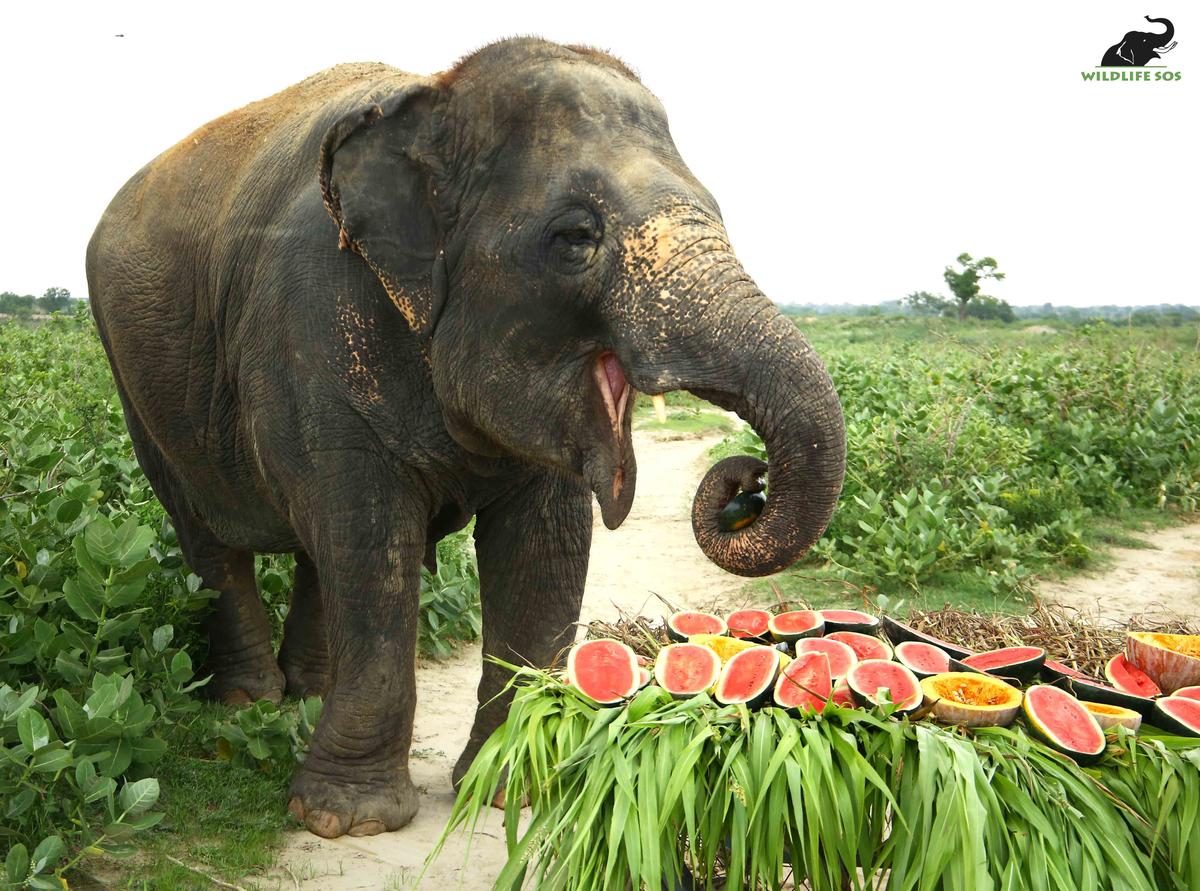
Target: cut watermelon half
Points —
{"points": [[805, 685], [749, 624], [1022, 663], [1178, 715], [1056, 671], [875, 681], [749, 676], [606, 671], [924, 659], [1188, 692], [849, 620], [796, 624], [683, 625], [841, 657], [865, 646], [1129, 678], [685, 669], [1064, 723]]}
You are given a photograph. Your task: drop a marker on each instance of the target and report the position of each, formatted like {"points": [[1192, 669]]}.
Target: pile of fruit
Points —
{"points": [[837, 749], [804, 661]]}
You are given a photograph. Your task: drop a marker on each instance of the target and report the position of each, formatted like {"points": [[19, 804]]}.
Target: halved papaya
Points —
{"points": [[1108, 716], [1171, 660]]}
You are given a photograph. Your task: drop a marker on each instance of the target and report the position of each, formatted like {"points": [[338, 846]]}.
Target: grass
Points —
{"points": [[687, 417], [222, 821]]}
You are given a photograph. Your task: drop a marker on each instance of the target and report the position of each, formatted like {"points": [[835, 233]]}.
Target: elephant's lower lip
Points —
{"points": [[614, 389]]}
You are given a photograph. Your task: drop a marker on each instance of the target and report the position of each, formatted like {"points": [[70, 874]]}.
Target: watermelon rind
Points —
{"points": [[761, 689], [624, 662], [1094, 691], [1179, 715], [812, 625], [1170, 660], [1041, 697], [915, 655], [706, 668], [1128, 678], [971, 699], [678, 630], [805, 686], [1022, 663], [898, 632], [749, 624], [849, 620], [1055, 671], [865, 646], [842, 657], [867, 695], [1109, 716]]}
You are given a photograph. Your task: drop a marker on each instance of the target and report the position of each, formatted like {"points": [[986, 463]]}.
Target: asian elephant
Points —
{"points": [[1137, 48], [347, 318]]}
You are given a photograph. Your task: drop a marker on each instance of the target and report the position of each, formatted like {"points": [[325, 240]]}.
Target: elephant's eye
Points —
{"points": [[575, 243]]}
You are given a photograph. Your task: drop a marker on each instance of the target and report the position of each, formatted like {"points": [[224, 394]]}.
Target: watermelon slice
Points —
{"points": [[1064, 723], [796, 624], [924, 659], [1178, 715], [841, 657], [606, 671], [1129, 678], [685, 669], [898, 632], [864, 645], [1022, 663], [1188, 692], [849, 620], [875, 681], [805, 685], [683, 625], [749, 624], [749, 676]]}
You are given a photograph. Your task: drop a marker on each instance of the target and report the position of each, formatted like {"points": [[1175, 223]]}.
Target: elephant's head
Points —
{"points": [[530, 215], [1139, 47]]}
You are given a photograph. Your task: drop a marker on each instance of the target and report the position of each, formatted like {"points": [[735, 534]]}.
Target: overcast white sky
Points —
{"points": [[855, 149]]}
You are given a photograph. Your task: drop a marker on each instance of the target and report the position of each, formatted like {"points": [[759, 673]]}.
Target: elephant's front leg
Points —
{"points": [[532, 547], [366, 541]]}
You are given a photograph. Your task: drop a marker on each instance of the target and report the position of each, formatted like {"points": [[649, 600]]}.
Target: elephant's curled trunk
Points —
{"points": [[789, 399], [1167, 36]]}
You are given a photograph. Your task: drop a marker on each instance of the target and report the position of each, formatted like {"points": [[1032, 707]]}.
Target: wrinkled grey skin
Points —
{"points": [[347, 318]]}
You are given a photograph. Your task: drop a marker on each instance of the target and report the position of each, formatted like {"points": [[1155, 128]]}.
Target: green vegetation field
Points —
{"points": [[979, 456]]}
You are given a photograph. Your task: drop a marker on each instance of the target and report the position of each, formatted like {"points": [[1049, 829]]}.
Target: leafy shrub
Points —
{"points": [[267, 736]]}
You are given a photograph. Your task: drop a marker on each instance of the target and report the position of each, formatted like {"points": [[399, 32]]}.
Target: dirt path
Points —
{"points": [[1162, 578], [653, 551]]}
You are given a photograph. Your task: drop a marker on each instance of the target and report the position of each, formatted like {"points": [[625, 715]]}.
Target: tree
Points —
{"points": [[16, 304], [54, 300], [925, 304], [990, 309], [964, 282]]}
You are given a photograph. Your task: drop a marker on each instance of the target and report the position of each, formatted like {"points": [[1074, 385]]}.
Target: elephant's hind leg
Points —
{"points": [[304, 655]]}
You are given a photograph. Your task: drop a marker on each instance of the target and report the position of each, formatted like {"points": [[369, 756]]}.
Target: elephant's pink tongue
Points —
{"points": [[616, 377]]}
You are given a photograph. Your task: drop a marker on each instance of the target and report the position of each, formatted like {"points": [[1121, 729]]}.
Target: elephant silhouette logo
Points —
{"points": [[1137, 48]]}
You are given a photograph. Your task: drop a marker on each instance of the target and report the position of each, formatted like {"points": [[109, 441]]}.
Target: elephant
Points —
{"points": [[1137, 48], [346, 319]]}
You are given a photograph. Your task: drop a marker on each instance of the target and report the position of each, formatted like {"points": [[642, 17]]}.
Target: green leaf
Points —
{"points": [[138, 797], [51, 759], [16, 864], [162, 637], [68, 511], [33, 730], [48, 853]]}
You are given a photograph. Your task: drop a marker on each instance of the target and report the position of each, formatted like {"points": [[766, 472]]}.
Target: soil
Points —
{"points": [[653, 553], [1157, 581]]}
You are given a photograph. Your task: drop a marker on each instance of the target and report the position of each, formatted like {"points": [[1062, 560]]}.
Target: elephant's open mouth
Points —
{"points": [[614, 389]]}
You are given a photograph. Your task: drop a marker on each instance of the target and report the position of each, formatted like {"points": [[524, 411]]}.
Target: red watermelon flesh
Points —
{"points": [[683, 625], [1125, 676], [748, 623], [1178, 715], [1063, 719], [604, 670], [870, 678], [842, 695], [841, 657], [864, 645], [1188, 693], [748, 676], [796, 624], [685, 669], [1022, 663], [806, 684], [923, 658]]}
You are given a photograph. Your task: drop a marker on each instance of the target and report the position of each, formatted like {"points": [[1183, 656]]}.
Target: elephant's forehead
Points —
{"points": [[556, 101]]}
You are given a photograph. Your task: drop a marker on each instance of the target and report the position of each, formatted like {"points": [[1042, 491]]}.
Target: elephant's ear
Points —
{"points": [[376, 181], [1125, 52]]}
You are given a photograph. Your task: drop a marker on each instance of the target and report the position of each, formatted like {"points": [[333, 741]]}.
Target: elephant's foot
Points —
{"points": [[306, 674], [330, 806], [243, 681]]}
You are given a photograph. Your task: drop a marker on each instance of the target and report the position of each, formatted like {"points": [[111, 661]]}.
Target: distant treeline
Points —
{"points": [[1160, 314], [54, 300]]}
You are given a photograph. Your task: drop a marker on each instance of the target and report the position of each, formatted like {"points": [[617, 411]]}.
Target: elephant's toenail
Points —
{"points": [[368, 827], [326, 824], [296, 808]]}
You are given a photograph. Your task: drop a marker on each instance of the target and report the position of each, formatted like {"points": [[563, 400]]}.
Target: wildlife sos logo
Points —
{"points": [[1138, 50]]}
